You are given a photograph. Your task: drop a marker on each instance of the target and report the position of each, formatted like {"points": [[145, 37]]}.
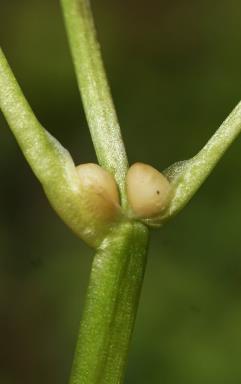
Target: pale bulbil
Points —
{"points": [[148, 190], [100, 189]]}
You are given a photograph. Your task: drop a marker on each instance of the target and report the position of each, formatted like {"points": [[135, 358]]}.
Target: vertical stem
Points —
{"points": [[111, 305], [119, 264], [95, 92]]}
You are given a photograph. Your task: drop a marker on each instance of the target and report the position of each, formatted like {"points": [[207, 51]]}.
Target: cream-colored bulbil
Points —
{"points": [[148, 190], [100, 190]]}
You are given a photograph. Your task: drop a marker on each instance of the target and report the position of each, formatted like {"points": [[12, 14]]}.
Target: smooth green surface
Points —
{"points": [[94, 89], [111, 306]]}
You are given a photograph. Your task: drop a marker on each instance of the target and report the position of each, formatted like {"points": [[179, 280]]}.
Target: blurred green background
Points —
{"points": [[174, 68]]}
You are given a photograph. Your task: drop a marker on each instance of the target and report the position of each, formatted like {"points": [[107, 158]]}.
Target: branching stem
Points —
{"points": [[119, 264]]}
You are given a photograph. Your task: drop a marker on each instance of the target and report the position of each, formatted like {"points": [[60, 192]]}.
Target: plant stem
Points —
{"points": [[118, 266], [95, 92], [49, 160], [111, 305], [29, 133], [187, 176], [43, 152]]}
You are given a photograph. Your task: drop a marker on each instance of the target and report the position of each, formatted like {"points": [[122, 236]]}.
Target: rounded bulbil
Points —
{"points": [[100, 190], [148, 190]]}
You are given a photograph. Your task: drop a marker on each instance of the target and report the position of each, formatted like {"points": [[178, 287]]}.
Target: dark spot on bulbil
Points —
{"points": [[158, 192]]}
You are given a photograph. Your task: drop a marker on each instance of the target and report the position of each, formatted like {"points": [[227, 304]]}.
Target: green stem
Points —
{"points": [[187, 176], [111, 306], [95, 92], [34, 141], [49, 160], [118, 267]]}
